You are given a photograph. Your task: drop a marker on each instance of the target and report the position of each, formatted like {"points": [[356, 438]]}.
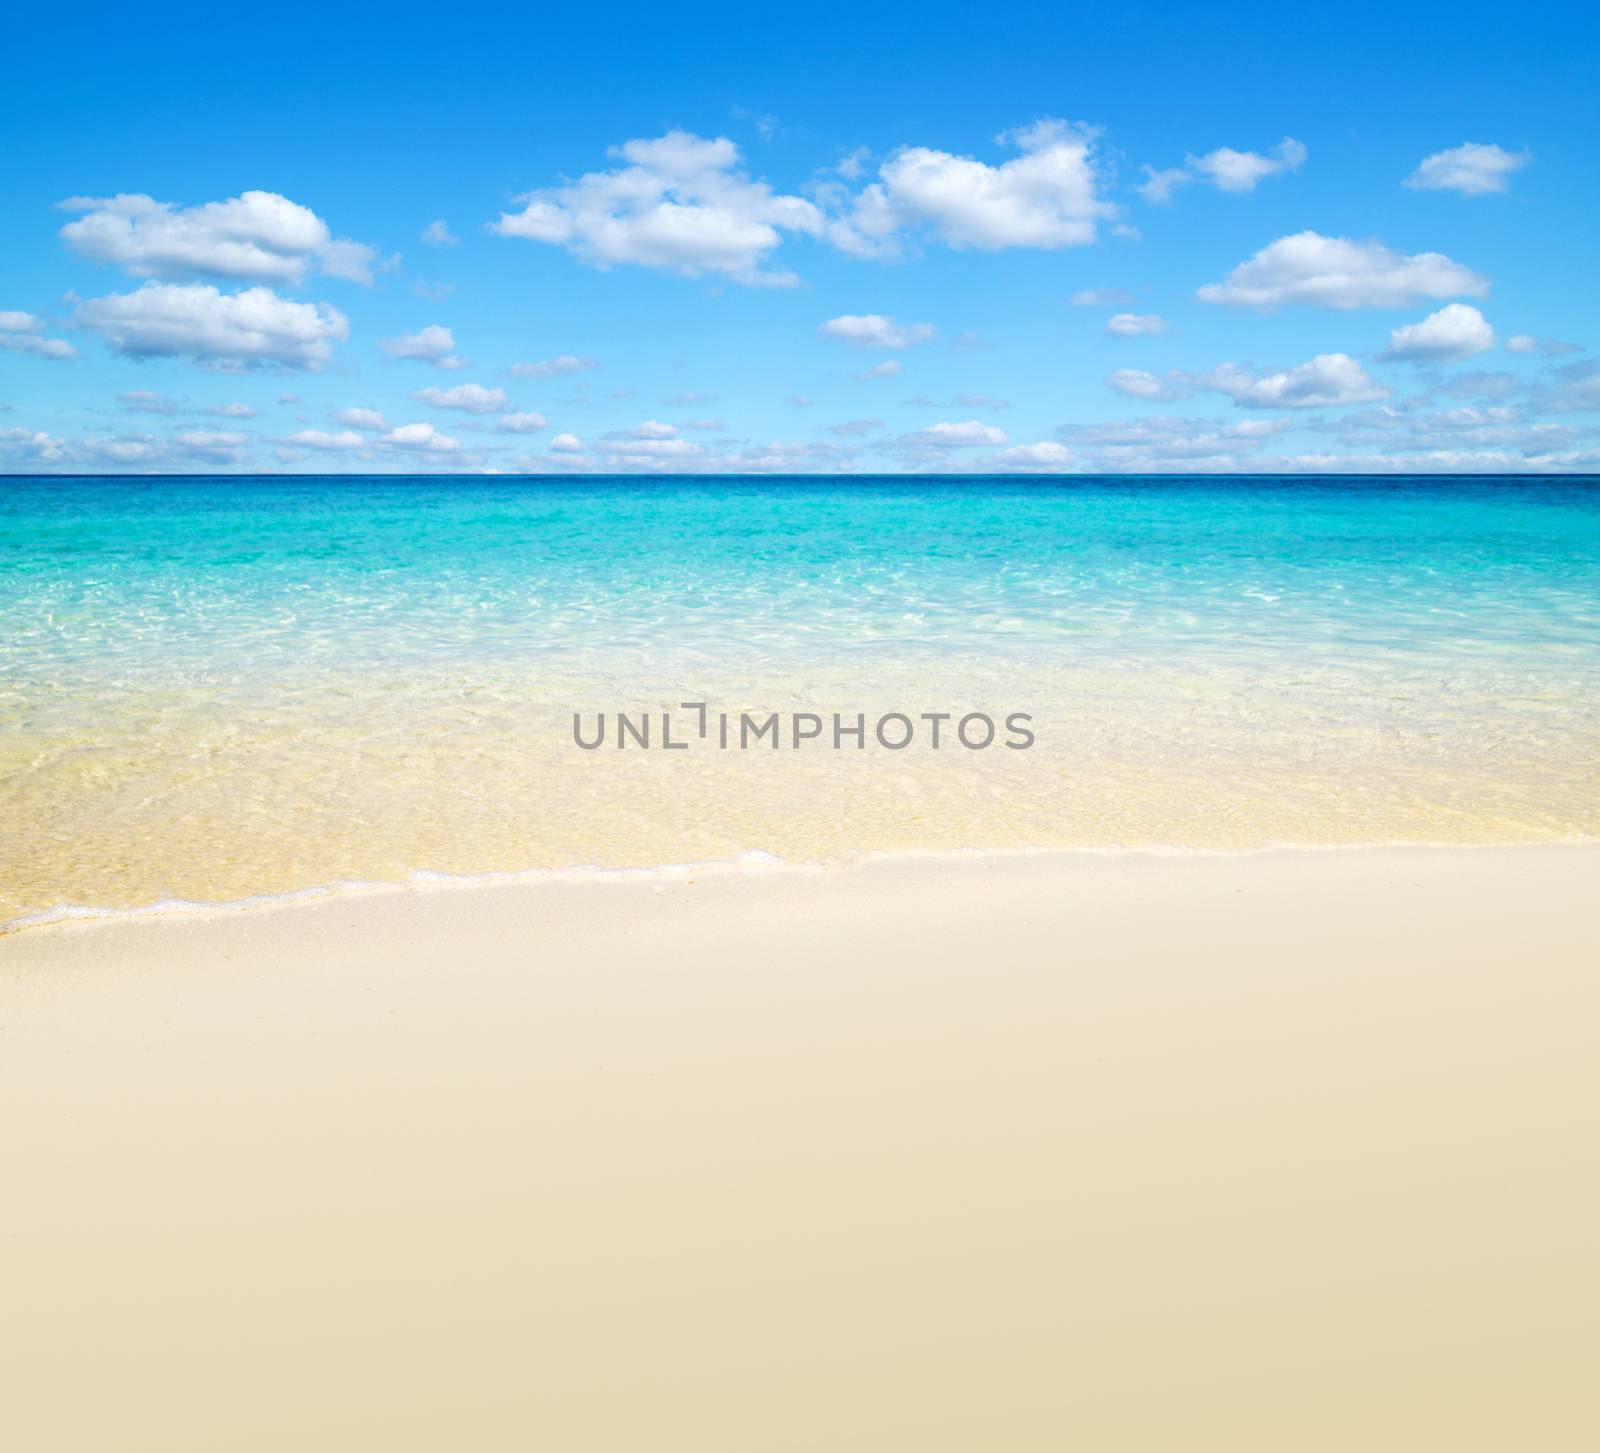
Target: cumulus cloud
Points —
{"points": [[254, 237], [330, 443], [1457, 330], [873, 330], [361, 418], [552, 367], [1167, 442], [1330, 379], [566, 444], [434, 344], [1135, 325], [31, 446], [1473, 169], [438, 234], [471, 398], [528, 423], [1474, 427], [422, 438], [1139, 383], [1047, 197], [955, 435], [23, 333], [1334, 272], [889, 368], [231, 411], [246, 329], [1225, 169], [681, 203], [1045, 457]]}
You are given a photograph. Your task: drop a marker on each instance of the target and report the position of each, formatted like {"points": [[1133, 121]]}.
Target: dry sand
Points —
{"points": [[1291, 1151]]}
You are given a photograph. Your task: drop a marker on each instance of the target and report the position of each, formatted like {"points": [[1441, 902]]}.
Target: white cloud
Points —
{"points": [[1328, 379], [216, 446], [1028, 457], [31, 446], [1135, 325], [1239, 171], [39, 347], [20, 333], [231, 411], [254, 237], [230, 330], [873, 330], [1138, 383], [1473, 169], [956, 435], [421, 437], [434, 344], [471, 398], [438, 234], [361, 419], [566, 444], [528, 423], [1475, 427], [1333, 272], [1048, 197], [1161, 182], [318, 439], [1522, 343], [552, 367], [1457, 330], [1166, 442], [1226, 169], [1103, 298], [650, 429], [889, 368], [681, 204]]}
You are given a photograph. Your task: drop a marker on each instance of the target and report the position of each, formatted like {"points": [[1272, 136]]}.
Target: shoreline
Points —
{"points": [[1256, 1151], [751, 863]]}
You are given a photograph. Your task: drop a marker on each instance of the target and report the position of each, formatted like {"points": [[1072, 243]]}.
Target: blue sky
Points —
{"points": [[925, 238]]}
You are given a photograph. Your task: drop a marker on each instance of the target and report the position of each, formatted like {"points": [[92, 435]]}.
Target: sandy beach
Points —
{"points": [[1282, 1150]]}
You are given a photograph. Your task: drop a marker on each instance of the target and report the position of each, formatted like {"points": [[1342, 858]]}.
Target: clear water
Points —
{"points": [[211, 688]]}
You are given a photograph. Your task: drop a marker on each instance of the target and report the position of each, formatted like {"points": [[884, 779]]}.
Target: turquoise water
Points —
{"points": [[1416, 658], [228, 575]]}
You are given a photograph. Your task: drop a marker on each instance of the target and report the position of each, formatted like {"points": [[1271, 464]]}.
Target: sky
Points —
{"points": [[888, 238]]}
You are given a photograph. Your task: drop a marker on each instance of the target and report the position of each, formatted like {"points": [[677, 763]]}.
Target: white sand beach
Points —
{"points": [[1294, 1150]]}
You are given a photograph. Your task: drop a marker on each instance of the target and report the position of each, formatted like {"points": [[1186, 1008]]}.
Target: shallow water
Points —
{"points": [[214, 688]]}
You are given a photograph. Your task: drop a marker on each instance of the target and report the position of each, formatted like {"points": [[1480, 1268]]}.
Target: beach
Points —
{"points": [[1125, 1151]]}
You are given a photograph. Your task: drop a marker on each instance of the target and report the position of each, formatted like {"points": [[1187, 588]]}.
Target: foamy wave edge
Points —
{"points": [[752, 863]]}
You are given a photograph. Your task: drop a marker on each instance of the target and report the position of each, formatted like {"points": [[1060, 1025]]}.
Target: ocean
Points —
{"points": [[213, 689]]}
